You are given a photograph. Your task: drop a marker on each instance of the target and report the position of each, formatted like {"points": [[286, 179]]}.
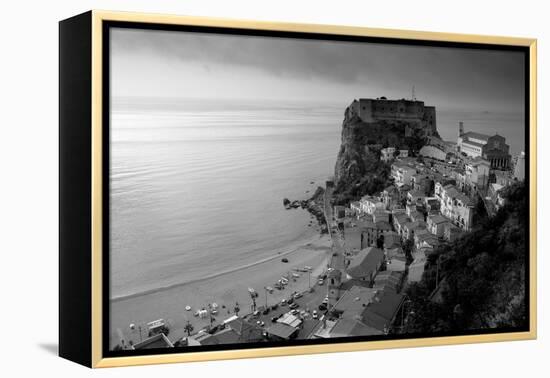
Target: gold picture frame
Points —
{"points": [[92, 25]]}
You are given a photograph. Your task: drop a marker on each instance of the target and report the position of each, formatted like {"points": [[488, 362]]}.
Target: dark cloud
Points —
{"points": [[490, 78]]}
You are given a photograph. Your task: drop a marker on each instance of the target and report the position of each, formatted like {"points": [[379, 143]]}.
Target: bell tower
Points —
{"points": [[334, 282]]}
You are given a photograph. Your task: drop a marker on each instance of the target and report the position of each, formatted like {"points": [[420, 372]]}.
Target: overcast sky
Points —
{"points": [[183, 64]]}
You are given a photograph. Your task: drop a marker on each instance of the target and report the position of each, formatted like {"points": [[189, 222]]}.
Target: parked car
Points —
{"points": [[274, 319], [294, 312], [322, 307], [284, 259], [283, 302], [297, 295], [315, 314], [321, 282], [266, 311], [293, 305]]}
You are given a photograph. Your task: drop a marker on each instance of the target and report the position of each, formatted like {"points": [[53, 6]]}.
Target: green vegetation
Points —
{"points": [[358, 169], [374, 182], [481, 276]]}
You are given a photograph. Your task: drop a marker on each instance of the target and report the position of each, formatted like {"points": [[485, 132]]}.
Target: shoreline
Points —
{"points": [[309, 245], [225, 288]]}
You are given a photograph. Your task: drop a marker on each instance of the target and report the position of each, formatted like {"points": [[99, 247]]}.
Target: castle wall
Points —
{"points": [[429, 118], [370, 110]]}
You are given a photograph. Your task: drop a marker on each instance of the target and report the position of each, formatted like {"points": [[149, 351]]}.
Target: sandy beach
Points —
{"points": [[225, 289]]}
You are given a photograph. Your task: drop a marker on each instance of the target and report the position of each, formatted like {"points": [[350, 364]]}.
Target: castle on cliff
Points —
{"points": [[414, 112]]}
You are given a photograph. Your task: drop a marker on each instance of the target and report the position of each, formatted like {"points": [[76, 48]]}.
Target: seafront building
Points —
{"points": [[491, 148]]}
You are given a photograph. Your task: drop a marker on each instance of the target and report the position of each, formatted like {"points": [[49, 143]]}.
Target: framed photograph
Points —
{"points": [[234, 189]]}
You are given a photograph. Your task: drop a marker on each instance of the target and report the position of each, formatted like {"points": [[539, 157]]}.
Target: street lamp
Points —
{"points": [[133, 328]]}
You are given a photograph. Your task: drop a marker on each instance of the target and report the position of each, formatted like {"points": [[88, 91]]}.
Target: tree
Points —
{"points": [[407, 249], [481, 275], [380, 242], [188, 328]]}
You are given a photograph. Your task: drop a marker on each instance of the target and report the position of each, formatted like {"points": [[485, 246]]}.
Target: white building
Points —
{"points": [[433, 152], [369, 205], [436, 224], [402, 174], [471, 143], [455, 205], [477, 173], [387, 154], [492, 148], [519, 168]]}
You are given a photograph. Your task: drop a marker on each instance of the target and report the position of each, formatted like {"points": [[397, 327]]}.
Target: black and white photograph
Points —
{"points": [[286, 190]]}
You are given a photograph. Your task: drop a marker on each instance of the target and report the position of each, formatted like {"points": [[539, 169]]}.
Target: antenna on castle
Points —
{"points": [[413, 94]]}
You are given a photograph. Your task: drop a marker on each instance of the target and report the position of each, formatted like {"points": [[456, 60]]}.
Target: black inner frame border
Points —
{"points": [[107, 25]]}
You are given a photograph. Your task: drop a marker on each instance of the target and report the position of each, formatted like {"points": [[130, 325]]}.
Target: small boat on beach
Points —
{"points": [[187, 308]]}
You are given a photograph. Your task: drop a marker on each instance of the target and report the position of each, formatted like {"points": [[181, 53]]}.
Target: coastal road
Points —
{"points": [[338, 242], [309, 302]]}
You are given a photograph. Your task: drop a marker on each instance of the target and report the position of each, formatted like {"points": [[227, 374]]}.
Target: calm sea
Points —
{"points": [[197, 187], [510, 125]]}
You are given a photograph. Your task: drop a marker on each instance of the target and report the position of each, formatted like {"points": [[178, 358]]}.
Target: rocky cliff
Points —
{"points": [[358, 169]]}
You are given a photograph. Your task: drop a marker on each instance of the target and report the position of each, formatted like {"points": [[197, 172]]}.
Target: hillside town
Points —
{"points": [[380, 245]]}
